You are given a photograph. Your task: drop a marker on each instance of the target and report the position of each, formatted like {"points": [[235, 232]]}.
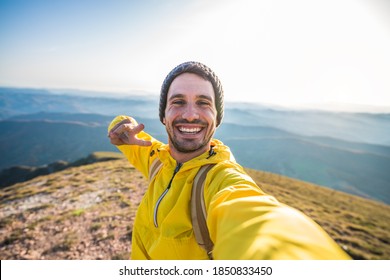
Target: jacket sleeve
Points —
{"points": [[245, 223], [138, 156]]}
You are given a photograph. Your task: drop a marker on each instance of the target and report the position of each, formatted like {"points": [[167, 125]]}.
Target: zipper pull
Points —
{"points": [[211, 152], [178, 166]]}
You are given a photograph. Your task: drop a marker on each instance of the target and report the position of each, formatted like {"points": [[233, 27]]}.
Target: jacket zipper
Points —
{"points": [[178, 166]]}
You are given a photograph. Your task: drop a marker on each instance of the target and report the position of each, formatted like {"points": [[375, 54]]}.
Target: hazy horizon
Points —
{"points": [[327, 107], [287, 53]]}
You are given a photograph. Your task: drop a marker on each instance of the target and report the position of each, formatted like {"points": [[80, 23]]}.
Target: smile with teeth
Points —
{"points": [[189, 130]]}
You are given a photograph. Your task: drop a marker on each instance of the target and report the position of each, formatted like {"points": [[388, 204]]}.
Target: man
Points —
{"points": [[243, 221]]}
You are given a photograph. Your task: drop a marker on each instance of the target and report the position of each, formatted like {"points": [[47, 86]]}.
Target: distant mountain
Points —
{"points": [[344, 151], [360, 169], [45, 140], [25, 101], [353, 127], [366, 128]]}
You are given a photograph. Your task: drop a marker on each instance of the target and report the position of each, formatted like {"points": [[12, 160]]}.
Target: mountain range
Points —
{"points": [[349, 152]]}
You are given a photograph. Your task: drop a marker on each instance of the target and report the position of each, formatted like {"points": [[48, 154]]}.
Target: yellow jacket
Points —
{"points": [[243, 221]]}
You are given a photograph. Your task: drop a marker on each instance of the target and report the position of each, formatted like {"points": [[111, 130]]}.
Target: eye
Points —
{"points": [[178, 102], [204, 103]]}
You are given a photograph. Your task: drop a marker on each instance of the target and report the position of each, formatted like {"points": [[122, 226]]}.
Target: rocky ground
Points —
{"points": [[79, 213]]}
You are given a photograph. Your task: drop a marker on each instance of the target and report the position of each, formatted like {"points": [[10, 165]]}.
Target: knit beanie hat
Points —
{"points": [[200, 70]]}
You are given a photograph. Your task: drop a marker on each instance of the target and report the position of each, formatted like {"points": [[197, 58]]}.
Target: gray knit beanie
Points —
{"points": [[200, 70]]}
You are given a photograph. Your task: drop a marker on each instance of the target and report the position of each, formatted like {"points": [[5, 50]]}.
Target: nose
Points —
{"points": [[190, 113]]}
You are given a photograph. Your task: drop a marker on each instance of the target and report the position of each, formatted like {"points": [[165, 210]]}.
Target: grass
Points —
{"points": [[78, 212], [104, 155], [95, 226]]}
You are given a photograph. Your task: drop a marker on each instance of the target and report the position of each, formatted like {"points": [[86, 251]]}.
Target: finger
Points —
{"points": [[125, 121], [129, 127], [141, 142], [137, 129], [126, 127]]}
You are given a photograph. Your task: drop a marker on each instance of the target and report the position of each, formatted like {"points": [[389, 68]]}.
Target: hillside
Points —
{"points": [[87, 212], [356, 168]]}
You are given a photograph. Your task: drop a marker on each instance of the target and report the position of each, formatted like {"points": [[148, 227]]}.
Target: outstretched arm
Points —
{"points": [[257, 227]]}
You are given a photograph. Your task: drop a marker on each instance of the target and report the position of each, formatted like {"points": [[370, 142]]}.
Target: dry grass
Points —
{"points": [[87, 212]]}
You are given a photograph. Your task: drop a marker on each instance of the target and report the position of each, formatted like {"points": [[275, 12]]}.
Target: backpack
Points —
{"points": [[198, 208]]}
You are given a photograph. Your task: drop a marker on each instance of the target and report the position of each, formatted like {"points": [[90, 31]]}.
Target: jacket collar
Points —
{"points": [[218, 152]]}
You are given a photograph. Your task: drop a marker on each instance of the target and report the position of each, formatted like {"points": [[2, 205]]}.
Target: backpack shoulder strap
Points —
{"points": [[154, 168], [198, 210]]}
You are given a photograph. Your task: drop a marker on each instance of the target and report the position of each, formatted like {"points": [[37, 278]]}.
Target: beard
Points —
{"points": [[189, 145]]}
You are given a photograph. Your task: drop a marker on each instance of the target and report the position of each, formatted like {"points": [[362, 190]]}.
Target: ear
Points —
{"points": [[163, 121]]}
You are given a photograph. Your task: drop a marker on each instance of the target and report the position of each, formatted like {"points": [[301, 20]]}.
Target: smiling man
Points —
{"points": [[190, 116], [243, 222]]}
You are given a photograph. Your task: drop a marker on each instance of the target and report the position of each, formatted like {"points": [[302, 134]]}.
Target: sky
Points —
{"points": [[282, 52]]}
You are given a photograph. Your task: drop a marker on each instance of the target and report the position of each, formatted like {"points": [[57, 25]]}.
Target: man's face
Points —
{"points": [[190, 115]]}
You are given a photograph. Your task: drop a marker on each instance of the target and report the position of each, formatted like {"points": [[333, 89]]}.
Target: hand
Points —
{"points": [[125, 133]]}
